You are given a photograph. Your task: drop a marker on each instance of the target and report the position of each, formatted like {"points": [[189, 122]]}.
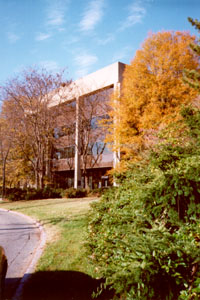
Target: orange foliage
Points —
{"points": [[153, 90]]}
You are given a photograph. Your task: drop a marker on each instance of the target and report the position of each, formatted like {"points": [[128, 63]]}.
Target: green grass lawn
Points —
{"points": [[63, 271]]}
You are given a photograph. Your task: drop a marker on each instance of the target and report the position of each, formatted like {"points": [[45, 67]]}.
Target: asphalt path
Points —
{"points": [[20, 236]]}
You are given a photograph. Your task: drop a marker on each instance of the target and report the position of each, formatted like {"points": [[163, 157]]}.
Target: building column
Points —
{"points": [[116, 153], [77, 170]]}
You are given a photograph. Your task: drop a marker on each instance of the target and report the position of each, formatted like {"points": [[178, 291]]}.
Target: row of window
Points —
{"points": [[103, 181], [69, 152], [64, 131], [69, 130]]}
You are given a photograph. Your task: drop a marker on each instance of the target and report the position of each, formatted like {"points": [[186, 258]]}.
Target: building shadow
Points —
{"points": [[63, 285]]}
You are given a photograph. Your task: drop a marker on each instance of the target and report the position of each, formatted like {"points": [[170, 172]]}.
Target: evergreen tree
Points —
{"points": [[192, 77]]}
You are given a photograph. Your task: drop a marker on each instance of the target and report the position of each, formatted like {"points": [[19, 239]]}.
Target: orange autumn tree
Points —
{"points": [[152, 91]]}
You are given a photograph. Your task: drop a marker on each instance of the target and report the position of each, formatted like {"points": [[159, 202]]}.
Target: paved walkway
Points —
{"points": [[21, 238]]}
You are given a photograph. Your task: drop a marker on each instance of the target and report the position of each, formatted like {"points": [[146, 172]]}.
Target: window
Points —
{"points": [[95, 120], [64, 131], [68, 152]]}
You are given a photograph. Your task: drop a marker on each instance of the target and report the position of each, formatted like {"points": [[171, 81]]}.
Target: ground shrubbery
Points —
{"points": [[97, 192], [144, 237], [79, 193], [74, 193], [15, 194]]}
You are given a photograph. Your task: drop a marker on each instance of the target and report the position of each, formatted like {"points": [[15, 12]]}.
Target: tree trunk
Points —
{"points": [[86, 181], [36, 176], [48, 164], [4, 179], [41, 180]]}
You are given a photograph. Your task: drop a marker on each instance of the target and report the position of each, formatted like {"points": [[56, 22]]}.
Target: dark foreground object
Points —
{"points": [[3, 271], [63, 285]]}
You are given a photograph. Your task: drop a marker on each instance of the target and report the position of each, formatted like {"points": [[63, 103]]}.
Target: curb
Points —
{"points": [[37, 253]]}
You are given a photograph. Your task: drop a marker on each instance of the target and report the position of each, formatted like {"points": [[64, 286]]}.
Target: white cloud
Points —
{"points": [[70, 41], [56, 12], [55, 18], [12, 37], [122, 54], [109, 38], [84, 62], [136, 14], [42, 36], [92, 15], [49, 65]]}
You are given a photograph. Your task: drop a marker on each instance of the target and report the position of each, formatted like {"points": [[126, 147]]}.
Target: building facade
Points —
{"points": [[81, 157]]}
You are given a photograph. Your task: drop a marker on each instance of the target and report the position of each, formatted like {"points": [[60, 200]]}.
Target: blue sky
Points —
{"points": [[83, 35]]}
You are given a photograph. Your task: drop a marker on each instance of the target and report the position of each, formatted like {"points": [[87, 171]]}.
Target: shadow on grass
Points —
{"points": [[57, 220], [55, 201], [63, 285]]}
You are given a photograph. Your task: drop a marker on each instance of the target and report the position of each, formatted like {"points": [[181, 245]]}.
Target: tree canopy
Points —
{"points": [[28, 98], [193, 76], [152, 90]]}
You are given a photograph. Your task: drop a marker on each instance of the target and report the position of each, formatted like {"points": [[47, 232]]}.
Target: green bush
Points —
{"points": [[139, 243], [97, 192], [144, 236], [15, 194], [49, 192], [74, 193], [34, 194]]}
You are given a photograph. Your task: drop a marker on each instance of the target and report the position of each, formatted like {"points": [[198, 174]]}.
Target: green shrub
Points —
{"points": [[144, 236], [34, 194], [49, 192], [15, 194], [74, 193], [97, 192], [139, 244]]}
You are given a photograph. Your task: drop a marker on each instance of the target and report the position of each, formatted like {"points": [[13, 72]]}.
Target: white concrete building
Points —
{"points": [[69, 170]]}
